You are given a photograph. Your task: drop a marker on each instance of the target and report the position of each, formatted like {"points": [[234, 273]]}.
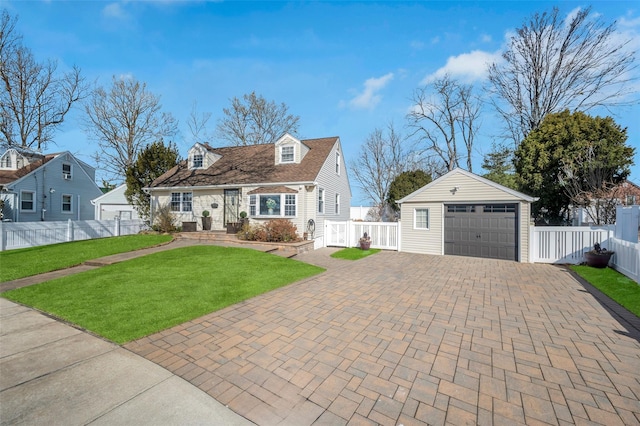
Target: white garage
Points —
{"points": [[464, 214], [114, 204]]}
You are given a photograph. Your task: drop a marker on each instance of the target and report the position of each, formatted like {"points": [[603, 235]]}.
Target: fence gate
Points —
{"points": [[384, 235], [336, 234]]}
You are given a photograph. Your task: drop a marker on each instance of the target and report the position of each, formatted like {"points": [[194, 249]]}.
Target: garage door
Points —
{"points": [[481, 230]]}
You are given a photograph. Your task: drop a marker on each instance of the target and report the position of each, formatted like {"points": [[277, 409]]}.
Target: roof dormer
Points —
{"points": [[12, 160], [289, 150], [200, 157]]}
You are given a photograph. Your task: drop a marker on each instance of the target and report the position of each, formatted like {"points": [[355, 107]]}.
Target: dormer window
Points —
{"points": [[198, 161], [287, 154]]}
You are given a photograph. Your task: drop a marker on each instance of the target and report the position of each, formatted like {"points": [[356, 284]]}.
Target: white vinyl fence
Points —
{"points": [[384, 235], [32, 234], [567, 244], [626, 259]]}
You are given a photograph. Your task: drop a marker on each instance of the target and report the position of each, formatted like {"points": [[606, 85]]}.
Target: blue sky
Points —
{"points": [[344, 67]]}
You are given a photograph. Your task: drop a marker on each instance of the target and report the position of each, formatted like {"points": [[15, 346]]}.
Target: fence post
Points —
{"points": [[3, 237], [69, 230], [116, 227]]}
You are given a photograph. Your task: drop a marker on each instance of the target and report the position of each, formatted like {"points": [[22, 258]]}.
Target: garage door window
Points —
{"points": [[499, 208], [461, 208], [421, 219]]}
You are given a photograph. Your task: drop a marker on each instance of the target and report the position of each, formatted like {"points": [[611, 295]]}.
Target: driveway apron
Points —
{"points": [[398, 338]]}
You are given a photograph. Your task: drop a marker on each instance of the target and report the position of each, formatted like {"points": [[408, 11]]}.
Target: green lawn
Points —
{"points": [[21, 263], [138, 297], [353, 253], [623, 290]]}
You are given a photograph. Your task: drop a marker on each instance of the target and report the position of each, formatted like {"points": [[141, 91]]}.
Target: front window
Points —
{"points": [[273, 205], [252, 205], [337, 163], [27, 201], [421, 219], [181, 201], [337, 203], [320, 200], [286, 154], [66, 204], [270, 205], [290, 205]]}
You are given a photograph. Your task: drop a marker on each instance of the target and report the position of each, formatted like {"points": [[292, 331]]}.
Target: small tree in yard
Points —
{"points": [[164, 220]]}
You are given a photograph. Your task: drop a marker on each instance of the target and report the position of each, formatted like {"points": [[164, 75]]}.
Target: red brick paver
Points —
{"points": [[407, 339]]}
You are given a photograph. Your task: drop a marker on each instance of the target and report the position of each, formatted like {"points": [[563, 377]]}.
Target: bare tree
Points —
{"points": [[197, 124], [124, 120], [34, 98], [382, 158], [252, 121], [553, 64], [445, 119], [592, 185]]}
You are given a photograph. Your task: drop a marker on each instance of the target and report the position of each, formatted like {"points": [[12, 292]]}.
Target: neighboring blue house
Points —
{"points": [[46, 187]]}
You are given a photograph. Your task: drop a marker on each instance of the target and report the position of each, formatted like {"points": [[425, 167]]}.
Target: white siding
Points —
{"points": [[425, 241], [114, 204], [333, 184]]}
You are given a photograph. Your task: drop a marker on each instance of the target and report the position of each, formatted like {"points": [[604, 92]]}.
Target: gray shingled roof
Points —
{"points": [[246, 165]]}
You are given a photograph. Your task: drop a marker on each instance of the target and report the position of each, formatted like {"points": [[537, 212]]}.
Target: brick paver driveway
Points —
{"points": [[409, 339]]}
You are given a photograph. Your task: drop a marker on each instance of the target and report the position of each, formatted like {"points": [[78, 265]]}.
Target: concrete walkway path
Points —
{"points": [[399, 338], [55, 374]]}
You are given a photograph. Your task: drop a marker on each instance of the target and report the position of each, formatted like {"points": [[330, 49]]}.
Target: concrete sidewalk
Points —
{"points": [[52, 373]]}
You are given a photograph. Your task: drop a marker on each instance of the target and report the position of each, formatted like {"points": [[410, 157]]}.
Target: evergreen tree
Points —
{"points": [[153, 161], [405, 184]]}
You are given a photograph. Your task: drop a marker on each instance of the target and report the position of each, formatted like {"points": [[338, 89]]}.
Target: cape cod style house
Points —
{"points": [[46, 187], [304, 181]]}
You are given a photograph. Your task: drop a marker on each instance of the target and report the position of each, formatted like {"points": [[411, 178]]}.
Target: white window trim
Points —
{"points": [[293, 154], [33, 201], [193, 161], [322, 202], [281, 213], [338, 168], [182, 202], [62, 210], [415, 217], [337, 206]]}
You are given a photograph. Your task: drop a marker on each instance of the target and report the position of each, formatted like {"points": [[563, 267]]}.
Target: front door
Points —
{"points": [[231, 205]]}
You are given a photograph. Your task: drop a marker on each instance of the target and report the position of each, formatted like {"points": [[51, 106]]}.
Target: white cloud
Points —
{"points": [[114, 10], [369, 98], [629, 23], [485, 38], [435, 40], [467, 67], [416, 45]]}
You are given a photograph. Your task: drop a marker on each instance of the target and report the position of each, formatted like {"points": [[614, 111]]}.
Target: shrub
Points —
{"points": [[276, 230], [164, 220]]}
